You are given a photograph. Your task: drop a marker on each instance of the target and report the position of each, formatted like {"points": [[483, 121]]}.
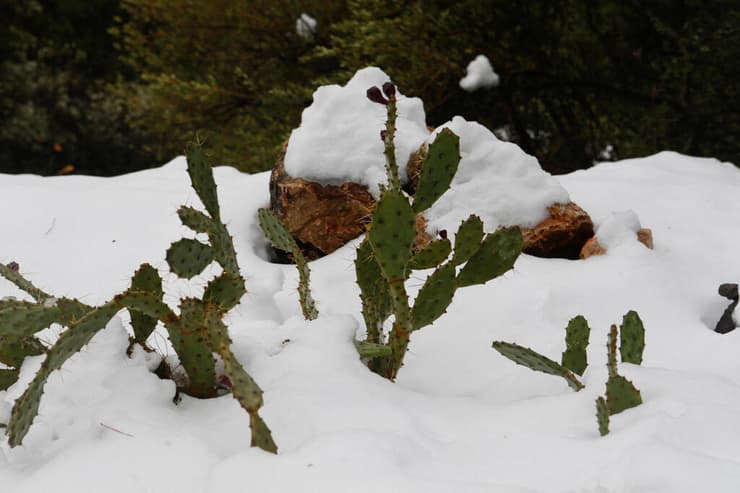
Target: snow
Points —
{"points": [[339, 135], [305, 26], [495, 180], [460, 416], [479, 74]]}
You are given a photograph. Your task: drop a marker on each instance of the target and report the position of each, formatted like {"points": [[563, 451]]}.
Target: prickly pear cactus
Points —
{"points": [[535, 361], [602, 416], [280, 237], [146, 279], [621, 394], [13, 350], [385, 259], [632, 338], [576, 339]]}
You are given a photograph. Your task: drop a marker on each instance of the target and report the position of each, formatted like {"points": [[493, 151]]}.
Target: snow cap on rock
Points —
{"points": [[338, 138], [495, 180]]}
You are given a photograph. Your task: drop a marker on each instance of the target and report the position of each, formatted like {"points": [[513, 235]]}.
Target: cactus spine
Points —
{"points": [[385, 259], [280, 237]]}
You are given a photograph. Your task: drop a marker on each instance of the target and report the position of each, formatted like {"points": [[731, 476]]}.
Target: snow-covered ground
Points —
{"points": [[460, 418]]}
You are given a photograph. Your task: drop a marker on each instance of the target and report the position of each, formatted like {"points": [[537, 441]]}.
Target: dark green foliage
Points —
{"points": [[432, 255], [145, 279], [188, 258], [280, 237], [467, 240], [496, 255], [435, 296], [602, 416], [535, 361], [632, 338], [576, 339], [392, 234], [438, 170]]}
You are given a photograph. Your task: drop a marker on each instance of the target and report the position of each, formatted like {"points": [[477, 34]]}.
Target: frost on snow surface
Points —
{"points": [[460, 417], [305, 26], [479, 73], [338, 139]]}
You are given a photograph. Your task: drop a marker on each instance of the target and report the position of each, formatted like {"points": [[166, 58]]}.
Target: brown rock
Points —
{"points": [[323, 218], [592, 247], [320, 217], [645, 236], [561, 235]]}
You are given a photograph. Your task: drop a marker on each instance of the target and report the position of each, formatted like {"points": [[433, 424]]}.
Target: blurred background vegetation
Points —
{"points": [[110, 86]]}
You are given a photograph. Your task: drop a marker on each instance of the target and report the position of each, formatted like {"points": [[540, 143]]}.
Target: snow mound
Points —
{"points": [[495, 180], [617, 229], [479, 73], [339, 136]]}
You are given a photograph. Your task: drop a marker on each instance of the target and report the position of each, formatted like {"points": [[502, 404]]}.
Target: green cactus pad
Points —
{"points": [[244, 389], [188, 258], [431, 255], [602, 416], [576, 339], [496, 255], [308, 305], [7, 378], [145, 279], [434, 297], [632, 338], [195, 219], [14, 349], [225, 291], [223, 249], [392, 234], [22, 283], [275, 230], [23, 318], [72, 310], [467, 239], [146, 303], [69, 343], [374, 291], [201, 176], [621, 394], [438, 169], [372, 349], [191, 341], [535, 361]]}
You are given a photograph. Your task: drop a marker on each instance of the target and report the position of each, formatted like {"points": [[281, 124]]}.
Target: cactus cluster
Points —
{"points": [[197, 332], [280, 237], [621, 394], [386, 258]]}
